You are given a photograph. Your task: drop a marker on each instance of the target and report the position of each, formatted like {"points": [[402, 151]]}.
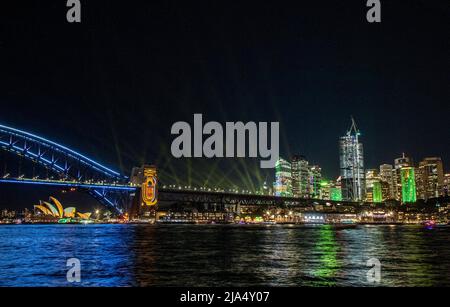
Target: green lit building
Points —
{"points": [[376, 192], [336, 194], [408, 182]]}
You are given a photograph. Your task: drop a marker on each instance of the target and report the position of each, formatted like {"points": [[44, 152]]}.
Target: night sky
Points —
{"points": [[112, 86]]}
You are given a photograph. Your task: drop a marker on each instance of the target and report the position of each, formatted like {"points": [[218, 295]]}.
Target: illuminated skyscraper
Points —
{"points": [[352, 165], [377, 195], [300, 177], [385, 191], [283, 178], [315, 177], [408, 181], [387, 176], [399, 163], [373, 186], [430, 178]]}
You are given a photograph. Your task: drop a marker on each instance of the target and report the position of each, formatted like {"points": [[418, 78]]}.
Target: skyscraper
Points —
{"points": [[430, 178], [373, 186], [387, 177], [408, 180], [300, 177], [377, 193], [352, 165], [283, 178], [315, 177], [400, 163]]}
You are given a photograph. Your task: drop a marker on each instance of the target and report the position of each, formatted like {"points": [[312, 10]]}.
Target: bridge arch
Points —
{"points": [[67, 164]]}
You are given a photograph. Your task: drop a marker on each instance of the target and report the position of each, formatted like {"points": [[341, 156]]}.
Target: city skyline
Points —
{"points": [[403, 180], [307, 192]]}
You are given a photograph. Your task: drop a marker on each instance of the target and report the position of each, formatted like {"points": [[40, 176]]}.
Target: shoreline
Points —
{"points": [[236, 224]]}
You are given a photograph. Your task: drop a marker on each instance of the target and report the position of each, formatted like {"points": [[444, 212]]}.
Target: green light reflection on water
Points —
{"points": [[327, 248]]}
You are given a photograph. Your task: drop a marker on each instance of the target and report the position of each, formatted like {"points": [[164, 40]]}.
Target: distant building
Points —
{"points": [[377, 193], [387, 177], [446, 184], [300, 177], [400, 163], [325, 189], [408, 184], [283, 178], [403, 161], [352, 165], [315, 177], [336, 190], [330, 190], [266, 189], [430, 178], [373, 186], [7, 214]]}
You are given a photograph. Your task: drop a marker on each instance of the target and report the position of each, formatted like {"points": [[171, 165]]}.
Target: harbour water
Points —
{"points": [[223, 255]]}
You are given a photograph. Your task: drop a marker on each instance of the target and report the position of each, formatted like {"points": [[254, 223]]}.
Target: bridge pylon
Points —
{"points": [[144, 204]]}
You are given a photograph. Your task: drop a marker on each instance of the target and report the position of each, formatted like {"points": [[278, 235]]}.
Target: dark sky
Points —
{"points": [[112, 86]]}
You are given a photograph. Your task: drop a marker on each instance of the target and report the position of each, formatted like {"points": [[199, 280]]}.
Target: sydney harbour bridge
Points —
{"points": [[68, 168]]}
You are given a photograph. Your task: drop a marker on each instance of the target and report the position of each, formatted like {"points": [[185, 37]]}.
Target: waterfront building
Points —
{"points": [[352, 165], [7, 214], [283, 178], [408, 184], [53, 209], [430, 178], [387, 177], [300, 177]]}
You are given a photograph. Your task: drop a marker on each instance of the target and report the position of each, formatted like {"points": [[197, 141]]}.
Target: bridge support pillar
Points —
{"points": [[146, 198]]}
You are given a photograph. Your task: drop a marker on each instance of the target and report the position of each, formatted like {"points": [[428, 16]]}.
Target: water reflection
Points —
{"points": [[223, 255], [327, 249]]}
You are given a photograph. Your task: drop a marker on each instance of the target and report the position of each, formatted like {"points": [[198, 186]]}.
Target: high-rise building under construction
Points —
{"points": [[352, 165]]}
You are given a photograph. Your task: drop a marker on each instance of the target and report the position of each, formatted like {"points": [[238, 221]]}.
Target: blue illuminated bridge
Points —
{"points": [[70, 169]]}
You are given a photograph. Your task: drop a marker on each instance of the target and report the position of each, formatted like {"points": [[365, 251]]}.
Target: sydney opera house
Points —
{"points": [[54, 210]]}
